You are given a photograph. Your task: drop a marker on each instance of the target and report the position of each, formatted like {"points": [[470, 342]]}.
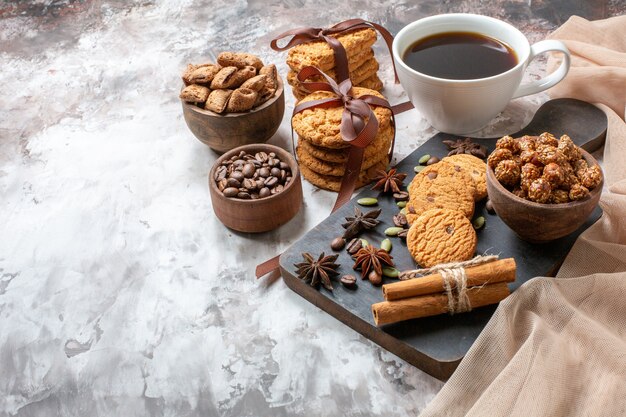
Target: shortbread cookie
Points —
{"points": [[441, 185], [372, 83], [477, 169], [321, 126], [379, 146], [359, 74], [330, 168], [195, 93], [332, 183], [441, 236], [319, 54]]}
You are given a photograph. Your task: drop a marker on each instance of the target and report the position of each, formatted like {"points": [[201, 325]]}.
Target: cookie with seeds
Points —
{"points": [[319, 54], [477, 169], [333, 183], [321, 126], [442, 185], [379, 146], [441, 236]]}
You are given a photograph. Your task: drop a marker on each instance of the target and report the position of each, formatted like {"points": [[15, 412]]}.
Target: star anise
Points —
{"points": [[461, 146], [316, 272], [370, 259], [359, 222], [388, 181]]}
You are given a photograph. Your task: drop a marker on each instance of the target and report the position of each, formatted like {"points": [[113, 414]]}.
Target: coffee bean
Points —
{"points": [[230, 192], [249, 184], [271, 181], [399, 220], [348, 281], [231, 182], [248, 170], [260, 156], [237, 175], [489, 207], [249, 176], [354, 246], [220, 173], [423, 159], [402, 234], [401, 196], [265, 192], [338, 243], [432, 160]]}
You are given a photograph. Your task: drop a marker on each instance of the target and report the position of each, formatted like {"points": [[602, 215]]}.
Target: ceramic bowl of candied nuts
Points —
{"points": [[236, 101], [542, 187], [255, 188]]}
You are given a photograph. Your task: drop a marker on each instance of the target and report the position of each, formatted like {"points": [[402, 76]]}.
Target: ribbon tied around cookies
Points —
{"points": [[310, 34], [359, 125]]}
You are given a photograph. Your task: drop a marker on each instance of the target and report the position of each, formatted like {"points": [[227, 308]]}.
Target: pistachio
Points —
{"points": [[364, 243], [424, 159], [478, 222], [418, 168], [390, 272], [386, 245], [367, 201], [401, 204], [393, 231]]}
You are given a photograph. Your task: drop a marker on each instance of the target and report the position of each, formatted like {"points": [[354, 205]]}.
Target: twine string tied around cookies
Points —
{"points": [[454, 280]]}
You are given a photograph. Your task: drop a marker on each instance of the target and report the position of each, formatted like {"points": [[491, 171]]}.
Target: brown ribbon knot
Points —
{"points": [[359, 127], [308, 34]]}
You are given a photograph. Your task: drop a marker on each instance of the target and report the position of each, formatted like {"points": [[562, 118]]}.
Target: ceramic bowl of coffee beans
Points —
{"points": [[255, 188], [543, 188], [236, 101]]}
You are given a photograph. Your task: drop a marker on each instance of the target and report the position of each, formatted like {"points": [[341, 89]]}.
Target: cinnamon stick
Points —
{"points": [[387, 312], [502, 270]]}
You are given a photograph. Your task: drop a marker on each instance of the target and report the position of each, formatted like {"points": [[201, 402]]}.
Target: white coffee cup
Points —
{"points": [[464, 106]]}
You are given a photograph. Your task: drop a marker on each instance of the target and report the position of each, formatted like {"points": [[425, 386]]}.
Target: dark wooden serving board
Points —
{"points": [[437, 344]]}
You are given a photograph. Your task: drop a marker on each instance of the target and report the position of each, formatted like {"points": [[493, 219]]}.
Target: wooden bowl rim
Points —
{"points": [[268, 103], [491, 178], [265, 147]]}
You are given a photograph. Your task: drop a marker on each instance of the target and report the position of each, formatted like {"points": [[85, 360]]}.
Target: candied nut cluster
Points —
{"points": [[543, 169], [237, 83]]}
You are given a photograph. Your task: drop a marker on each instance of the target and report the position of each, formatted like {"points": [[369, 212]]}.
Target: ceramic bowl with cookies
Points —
{"points": [[236, 101], [542, 187]]}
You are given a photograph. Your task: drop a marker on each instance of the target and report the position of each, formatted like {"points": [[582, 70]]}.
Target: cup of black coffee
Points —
{"points": [[461, 70]]}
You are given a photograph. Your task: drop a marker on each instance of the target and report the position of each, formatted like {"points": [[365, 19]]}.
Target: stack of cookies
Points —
{"points": [[362, 63], [322, 152], [440, 206]]}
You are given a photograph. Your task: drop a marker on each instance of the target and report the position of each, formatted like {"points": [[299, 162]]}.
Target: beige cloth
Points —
{"points": [[557, 347]]}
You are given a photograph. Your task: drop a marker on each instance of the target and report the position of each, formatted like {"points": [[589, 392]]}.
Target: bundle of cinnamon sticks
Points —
{"points": [[426, 296]]}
